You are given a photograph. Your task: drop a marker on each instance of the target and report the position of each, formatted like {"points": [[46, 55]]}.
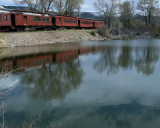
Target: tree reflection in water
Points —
{"points": [[142, 58], [145, 59], [108, 60], [53, 82]]}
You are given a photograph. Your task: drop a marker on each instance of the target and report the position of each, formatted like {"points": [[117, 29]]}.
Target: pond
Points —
{"points": [[99, 84]]}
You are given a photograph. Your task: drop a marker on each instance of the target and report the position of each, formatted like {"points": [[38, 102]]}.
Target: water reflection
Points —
{"points": [[53, 82], [109, 85], [54, 75], [126, 57]]}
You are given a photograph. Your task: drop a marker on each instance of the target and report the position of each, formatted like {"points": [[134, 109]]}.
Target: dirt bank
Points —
{"points": [[48, 37]]}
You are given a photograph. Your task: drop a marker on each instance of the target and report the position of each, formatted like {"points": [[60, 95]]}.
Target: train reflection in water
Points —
{"points": [[34, 62]]}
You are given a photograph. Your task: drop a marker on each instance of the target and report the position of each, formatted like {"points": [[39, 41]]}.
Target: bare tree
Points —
{"points": [[40, 5], [45, 5], [5, 91], [147, 9], [60, 6], [67, 7], [108, 8], [156, 19], [73, 6], [32, 123], [127, 10]]}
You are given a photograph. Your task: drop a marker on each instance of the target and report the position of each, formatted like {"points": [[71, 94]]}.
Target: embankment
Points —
{"points": [[15, 39]]}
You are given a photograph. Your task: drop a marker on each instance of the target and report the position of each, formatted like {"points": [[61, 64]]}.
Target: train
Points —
{"points": [[20, 20]]}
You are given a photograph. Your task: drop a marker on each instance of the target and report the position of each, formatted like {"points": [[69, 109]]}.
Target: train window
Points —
{"points": [[69, 21], [5, 17], [86, 22], [47, 19], [0, 18], [35, 18], [24, 17]]}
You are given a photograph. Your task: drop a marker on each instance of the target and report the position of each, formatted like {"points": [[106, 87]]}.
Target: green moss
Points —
{"points": [[93, 33]]}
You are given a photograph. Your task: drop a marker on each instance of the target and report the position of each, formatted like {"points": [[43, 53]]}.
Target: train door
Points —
{"points": [[25, 20], [79, 23], [13, 19], [60, 21], [93, 24], [53, 21]]}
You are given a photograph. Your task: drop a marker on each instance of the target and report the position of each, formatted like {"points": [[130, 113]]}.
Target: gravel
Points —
{"points": [[48, 37]]}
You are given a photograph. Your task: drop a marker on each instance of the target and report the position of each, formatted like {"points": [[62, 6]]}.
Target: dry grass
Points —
{"points": [[2, 41]]}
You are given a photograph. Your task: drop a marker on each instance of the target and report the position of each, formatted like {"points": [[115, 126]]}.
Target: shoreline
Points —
{"points": [[37, 38]]}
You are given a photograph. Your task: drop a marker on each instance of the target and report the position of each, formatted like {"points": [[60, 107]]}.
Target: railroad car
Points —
{"points": [[5, 20], [24, 20], [98, 24], [19, 20], [85, 23], [63, 21]]}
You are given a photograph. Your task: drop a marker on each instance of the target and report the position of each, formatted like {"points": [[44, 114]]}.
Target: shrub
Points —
{"points": [[102, 31], [93, 33], [156, 31]]}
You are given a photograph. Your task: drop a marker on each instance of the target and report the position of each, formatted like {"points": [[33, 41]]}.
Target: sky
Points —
{"points": [[86, 7]]}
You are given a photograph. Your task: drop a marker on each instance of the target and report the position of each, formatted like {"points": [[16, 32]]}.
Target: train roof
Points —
{"points": [[24, 12], [99, 20], [77, 17], [64, 16], [90, 19], [3, 11]]}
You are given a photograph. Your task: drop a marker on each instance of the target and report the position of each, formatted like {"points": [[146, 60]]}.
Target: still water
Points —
{"points": [[105, 84]]}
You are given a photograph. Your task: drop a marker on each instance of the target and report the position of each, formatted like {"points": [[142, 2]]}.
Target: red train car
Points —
{"points": [[5, 20], [62, 21], [34, 62], [66, 56], [98, 24], [27, 19], [85, 23]]}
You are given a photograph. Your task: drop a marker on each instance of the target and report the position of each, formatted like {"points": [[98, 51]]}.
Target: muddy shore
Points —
{"points": [[16, 39]]}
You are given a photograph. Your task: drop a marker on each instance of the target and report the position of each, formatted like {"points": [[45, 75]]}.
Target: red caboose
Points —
{"points": [[63, 21], [35, 20], [85, 23], [5, 20], [98, 24]]}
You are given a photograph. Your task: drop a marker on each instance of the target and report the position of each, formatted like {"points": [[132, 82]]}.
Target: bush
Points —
{"points": [[93, 33], [102, 31], [156, 31]]}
